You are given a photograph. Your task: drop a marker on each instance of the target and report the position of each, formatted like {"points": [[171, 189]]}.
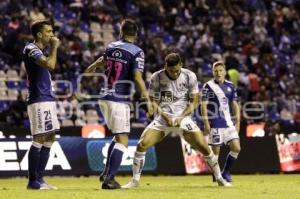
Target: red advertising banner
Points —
{"points": [[289, 151], [255, 130], [93, 131], [193, 160]]}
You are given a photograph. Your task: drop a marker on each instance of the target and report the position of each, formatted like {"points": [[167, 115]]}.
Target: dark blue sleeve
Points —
{"points": [[139, 61]]}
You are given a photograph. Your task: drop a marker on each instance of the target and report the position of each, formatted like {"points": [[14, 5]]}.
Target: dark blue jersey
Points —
{"points": [[219, 97], [122, 59], [38, 77]]}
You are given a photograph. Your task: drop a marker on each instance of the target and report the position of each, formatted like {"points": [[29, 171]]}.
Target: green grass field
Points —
{"points": [[164, 187]]}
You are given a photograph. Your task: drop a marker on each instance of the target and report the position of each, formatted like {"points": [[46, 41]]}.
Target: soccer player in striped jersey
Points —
{"points": [[219, 99]]}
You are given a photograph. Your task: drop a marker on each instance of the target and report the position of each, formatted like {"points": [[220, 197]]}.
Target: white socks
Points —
{"points": [[138, 164], [213, 164], [234, 154]]}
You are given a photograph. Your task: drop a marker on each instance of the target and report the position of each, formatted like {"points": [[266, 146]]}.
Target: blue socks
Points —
{"points": [[37, 160], [44, 156], [114, 161], [231, 157], [33, 160], [110, 148]]}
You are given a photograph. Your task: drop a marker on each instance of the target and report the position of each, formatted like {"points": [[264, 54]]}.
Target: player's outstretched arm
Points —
{"points": [[50, 61], [99, 63]]}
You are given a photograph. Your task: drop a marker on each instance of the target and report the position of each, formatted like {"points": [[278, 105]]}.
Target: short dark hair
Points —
{"points": [[172, 59], [37, 26], [129, 27]]}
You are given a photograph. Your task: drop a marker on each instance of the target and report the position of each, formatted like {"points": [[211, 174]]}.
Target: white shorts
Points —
{"points": [[187, 124], [218, 136], [116, 115], [43, 118]]}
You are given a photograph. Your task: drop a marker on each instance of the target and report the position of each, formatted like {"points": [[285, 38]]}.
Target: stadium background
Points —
{"points": [[258, 40]]}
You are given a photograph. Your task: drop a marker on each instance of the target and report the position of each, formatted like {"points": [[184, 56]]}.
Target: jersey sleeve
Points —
{"points": [[35, 54], [154, 86], [193, 84], [205, 92], [139, 61]]}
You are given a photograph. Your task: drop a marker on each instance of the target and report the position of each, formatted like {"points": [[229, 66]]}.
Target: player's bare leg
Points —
{"points": [[149, 138], [197, 141]]}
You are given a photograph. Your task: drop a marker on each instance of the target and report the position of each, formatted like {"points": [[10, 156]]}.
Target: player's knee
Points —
{"points": [[122, 139], [236, 148], [142, 146], [50, 138], [39, 139], [187, 137]]}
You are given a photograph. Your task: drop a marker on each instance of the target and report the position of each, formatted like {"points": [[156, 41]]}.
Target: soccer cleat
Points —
{"points": [[102, 177], [45, 185], [132, 184], [226, 176], [110, 184], [33, 185], [223, 183]]}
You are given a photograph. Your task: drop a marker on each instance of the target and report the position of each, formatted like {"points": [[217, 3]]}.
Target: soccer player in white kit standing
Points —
{"points": [[174, 93], [41, 104]]}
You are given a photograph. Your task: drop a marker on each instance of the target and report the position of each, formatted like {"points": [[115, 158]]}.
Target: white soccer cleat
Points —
{"points": [[46, 186], [132, 184], [223, 183]]}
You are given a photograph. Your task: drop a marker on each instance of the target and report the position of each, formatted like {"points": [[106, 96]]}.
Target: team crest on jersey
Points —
{"points": [[117, 53], [228, 89], [182, 86]]}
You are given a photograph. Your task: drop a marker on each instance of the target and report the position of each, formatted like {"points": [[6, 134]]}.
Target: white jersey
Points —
{"points": [[173, 95]]}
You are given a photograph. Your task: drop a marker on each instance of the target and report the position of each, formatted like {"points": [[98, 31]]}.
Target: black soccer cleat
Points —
{"points": [[102, 177], [110, 184]]}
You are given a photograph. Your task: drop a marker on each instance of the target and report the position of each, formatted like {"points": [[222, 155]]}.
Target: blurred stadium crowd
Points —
{"points": [[259, 40]]}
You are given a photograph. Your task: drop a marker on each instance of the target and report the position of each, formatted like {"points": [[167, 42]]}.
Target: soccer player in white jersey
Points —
{"points": [[219, 99], [174, 94], [41, 104]]}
